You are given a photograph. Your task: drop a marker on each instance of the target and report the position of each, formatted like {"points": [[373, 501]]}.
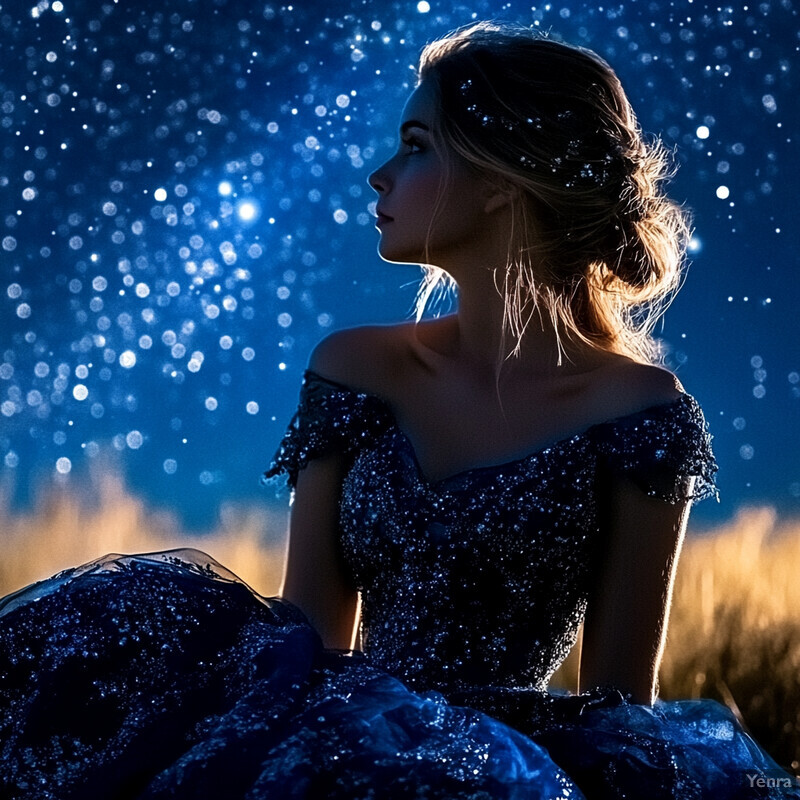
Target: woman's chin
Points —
{"points": [[393, 256]]}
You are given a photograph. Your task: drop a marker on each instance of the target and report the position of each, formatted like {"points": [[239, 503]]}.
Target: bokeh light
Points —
{"points": [[185, 213]]}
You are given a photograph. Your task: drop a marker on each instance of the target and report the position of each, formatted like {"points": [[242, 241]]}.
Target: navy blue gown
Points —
{"points": [[163, 676]]}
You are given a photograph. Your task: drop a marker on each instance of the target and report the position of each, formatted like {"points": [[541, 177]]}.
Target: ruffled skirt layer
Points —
{"points": [[163, 676]]}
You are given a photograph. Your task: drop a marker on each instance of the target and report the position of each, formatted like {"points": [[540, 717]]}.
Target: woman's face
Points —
{"points": [[431, 205]]}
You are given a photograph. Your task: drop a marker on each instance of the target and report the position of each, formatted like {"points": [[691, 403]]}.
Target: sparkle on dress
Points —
{"points": [[479, 582], [163, 677]]}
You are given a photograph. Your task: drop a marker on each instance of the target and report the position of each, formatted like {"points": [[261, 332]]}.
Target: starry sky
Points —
{"points": [[184, 213]]}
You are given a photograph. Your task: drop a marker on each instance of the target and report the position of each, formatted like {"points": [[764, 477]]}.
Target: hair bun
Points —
{"points": [[628, 258], [597, 245]]}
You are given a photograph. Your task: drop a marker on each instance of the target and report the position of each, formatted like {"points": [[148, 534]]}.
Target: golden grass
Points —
{"points": [[734, 628], [67, 528]]}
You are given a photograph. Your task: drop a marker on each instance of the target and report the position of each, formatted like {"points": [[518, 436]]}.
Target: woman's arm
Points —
{"points": [[628, 610], [315, 579]]}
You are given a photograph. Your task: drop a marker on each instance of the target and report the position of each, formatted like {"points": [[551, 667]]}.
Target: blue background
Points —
{"points": [[184, 214]]}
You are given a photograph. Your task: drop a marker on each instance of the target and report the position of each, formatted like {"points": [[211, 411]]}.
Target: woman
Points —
{"points": [[482, 483]]}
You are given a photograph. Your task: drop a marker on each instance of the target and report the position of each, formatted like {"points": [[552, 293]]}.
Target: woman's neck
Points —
{"points": [[480, 340]]}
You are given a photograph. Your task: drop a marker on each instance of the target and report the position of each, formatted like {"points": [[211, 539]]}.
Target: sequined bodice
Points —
{"points": [[482, 579]]}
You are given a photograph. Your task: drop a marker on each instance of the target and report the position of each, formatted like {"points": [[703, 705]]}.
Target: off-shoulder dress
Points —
{"points": [[163, 676]]}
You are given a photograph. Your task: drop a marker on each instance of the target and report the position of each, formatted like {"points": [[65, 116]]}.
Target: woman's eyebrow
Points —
{"points": [[413, 123]]}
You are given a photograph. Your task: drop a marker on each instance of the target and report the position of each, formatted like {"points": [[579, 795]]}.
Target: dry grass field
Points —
{"points": [[734, 630], [735, 627], [66, 528]]}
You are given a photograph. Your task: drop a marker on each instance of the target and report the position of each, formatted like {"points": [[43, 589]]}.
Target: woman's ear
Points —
{"points": [[497, 200]]}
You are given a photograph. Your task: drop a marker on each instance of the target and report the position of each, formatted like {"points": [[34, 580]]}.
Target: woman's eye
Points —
{"points": [[413, 145]]}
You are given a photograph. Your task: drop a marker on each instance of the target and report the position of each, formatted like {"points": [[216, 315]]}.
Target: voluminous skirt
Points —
{"points": [[163, 676]]}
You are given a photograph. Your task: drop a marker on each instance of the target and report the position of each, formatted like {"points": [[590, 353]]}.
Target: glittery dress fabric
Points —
{"points": [[163, 676]]}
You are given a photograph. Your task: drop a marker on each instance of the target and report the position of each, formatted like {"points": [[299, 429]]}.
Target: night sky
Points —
{"points": [[184, 213]]}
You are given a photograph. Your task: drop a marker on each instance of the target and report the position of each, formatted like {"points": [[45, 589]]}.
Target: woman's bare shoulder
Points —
{"points": [[365, 358], [625, 386]]}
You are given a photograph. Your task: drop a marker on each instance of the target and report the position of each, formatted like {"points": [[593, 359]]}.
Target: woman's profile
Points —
{"points": [[468, 492]]}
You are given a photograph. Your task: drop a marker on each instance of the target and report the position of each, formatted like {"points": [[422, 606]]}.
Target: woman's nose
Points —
{"points": [[378, 180]]}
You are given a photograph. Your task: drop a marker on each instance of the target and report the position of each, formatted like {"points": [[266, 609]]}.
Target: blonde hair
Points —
{"points": [[596, 246]]}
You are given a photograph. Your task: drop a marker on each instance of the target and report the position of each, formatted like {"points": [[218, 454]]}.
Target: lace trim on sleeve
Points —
{"points": [[330, 418], [661, 449]]}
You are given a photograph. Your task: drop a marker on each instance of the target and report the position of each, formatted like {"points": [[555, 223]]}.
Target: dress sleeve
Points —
{"points": [[330, 418], [661, 449]]}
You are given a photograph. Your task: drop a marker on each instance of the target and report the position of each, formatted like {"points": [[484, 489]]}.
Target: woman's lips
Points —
{"points": [[382, 218]]}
